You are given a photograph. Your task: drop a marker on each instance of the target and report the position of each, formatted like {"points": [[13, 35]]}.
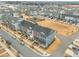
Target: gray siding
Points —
{"points": [[50, 38]]}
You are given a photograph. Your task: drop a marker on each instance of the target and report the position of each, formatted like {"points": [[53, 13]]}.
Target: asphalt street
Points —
{"points": [[26, 52], [65, 42]]}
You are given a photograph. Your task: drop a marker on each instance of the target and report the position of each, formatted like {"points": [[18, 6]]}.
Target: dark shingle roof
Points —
{"points": [[10, 18], [27, 24], [43, 30]]}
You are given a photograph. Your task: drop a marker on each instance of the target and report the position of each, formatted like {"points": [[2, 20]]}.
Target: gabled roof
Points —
{"points": [[10, 18], [42, 30]]}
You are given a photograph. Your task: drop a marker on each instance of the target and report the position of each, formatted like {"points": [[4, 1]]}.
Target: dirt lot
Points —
{"points": [[61, 28], [52, 48], [2, 50]]}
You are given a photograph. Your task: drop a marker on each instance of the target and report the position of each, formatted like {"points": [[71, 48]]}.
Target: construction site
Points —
{"points": [[39, 29]]}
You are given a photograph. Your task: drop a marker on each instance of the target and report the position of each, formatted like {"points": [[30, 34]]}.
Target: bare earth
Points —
{"points": [[63, 29]]}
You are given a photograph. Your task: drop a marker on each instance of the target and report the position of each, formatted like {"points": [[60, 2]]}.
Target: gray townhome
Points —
{"points": [[42, 35], [11, 22]]}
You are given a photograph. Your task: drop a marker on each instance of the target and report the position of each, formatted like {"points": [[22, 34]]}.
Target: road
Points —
{"points": [[66, 41], [25, 51]]}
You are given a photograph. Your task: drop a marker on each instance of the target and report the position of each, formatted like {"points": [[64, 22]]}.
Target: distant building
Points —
{"points": [[70, 18], [11, 21]]}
